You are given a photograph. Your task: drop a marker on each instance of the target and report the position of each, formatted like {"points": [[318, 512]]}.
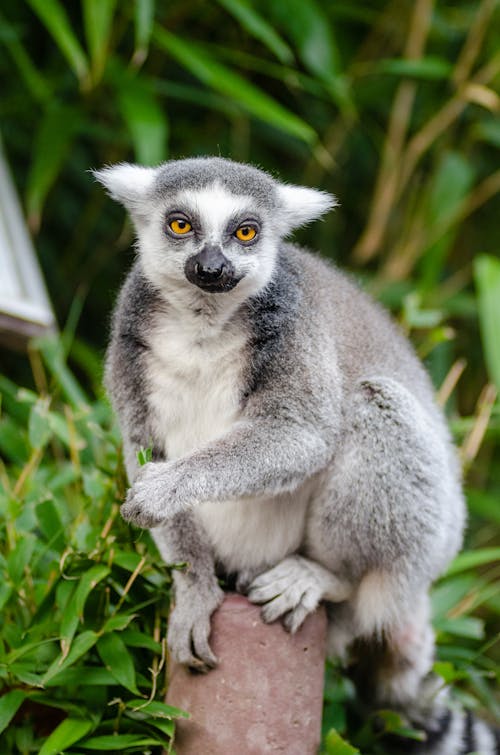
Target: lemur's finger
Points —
{"points": [[202, 649]]}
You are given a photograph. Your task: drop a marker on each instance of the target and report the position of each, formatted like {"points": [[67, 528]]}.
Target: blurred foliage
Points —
{"points": [[392, 106]]}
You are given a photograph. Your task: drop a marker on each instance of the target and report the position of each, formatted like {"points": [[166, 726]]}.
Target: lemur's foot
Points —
{"points": [[189, 624], [293, 589], [245, 579]]}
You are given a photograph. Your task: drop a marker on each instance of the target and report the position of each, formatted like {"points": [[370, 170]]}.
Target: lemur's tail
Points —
{"points": [[451, 731]]}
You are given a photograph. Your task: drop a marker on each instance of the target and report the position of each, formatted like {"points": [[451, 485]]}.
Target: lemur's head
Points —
{"points": [[210, 222]]}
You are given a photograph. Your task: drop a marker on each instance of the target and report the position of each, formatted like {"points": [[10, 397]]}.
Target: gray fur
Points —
{"points": [[318, 466]]}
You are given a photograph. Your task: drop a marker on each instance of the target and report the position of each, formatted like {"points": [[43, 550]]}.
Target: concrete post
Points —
{"points": [[266, 694]]}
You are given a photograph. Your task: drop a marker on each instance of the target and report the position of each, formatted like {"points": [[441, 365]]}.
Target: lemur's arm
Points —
{"points": [[259, 456]]}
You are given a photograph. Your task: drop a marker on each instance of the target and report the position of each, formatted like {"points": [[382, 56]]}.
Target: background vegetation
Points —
{"points": [[394, 107]]}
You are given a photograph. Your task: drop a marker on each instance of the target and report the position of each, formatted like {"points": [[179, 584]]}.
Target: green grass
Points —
{"points": [[83, 599]]}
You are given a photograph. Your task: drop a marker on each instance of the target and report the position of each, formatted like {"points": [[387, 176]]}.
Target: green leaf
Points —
{"points": [[430, 67], [487, 277], [462, 626], [52, 142], [117, 742], [447, 671], [52, 14], [335, 745], [471, 559], [144, 16], [484, 504], [50, 523], [87, 583], [68, 732], [116, 657], [51, 349], [9, 705], [230, 84], [144, 455], [259, 28], [20, 557], [81, 645], [312, 32], [118, 623], [448, 189], [98, 23], [450, 591], [36, 83], [146, 121], [156, 709], [135, 639]]}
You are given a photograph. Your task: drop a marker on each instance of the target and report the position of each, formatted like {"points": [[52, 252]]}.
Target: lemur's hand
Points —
{"points": [[158, 493]]}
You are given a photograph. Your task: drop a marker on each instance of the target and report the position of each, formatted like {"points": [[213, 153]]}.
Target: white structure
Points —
{"points": [[25, 309]]}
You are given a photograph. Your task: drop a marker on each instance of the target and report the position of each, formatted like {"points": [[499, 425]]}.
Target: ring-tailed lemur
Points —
{"points": [[296, 442]]}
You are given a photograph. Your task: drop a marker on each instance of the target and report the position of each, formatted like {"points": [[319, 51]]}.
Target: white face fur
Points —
{"points": [[217, 219]]}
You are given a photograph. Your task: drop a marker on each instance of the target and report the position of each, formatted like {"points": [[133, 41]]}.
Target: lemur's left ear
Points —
{"points": [[128, 184], [302, 205]]}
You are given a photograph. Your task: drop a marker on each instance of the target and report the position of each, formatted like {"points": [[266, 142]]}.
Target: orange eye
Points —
{"points": [[180, 226], [245, 233]]}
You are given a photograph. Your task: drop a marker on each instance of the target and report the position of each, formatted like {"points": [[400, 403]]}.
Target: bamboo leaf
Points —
{"points": [[68, 732], [53, 16], [335, 745], [312, 32], [117, 659], [87, 583], [144, 16], [259, 28], [156, 709], [431, 68], [117, 742], [487, 277], [146, 121], [225, 81], [52, 142], [9, 705], [39, 430], [471, 559], [98, 22], [81, 645], [50, 523]]}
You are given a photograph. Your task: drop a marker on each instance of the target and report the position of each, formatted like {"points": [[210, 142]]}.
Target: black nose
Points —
{"points": [[211, 270]]}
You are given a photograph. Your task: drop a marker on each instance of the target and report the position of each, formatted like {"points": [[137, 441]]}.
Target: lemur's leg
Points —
{"points": [[387, 519], [197, 592]]}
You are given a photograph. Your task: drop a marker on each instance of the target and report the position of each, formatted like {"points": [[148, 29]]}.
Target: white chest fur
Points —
{"points": [[195, 384]]}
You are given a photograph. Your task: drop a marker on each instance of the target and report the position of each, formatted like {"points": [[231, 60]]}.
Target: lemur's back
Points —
{"points": [[365, 340]]}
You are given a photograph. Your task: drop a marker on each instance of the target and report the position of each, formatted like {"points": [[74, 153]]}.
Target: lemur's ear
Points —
{"points": [[302, 205], [128, 184]]}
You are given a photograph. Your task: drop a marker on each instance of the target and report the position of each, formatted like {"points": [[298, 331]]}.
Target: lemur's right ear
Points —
{"points": [[128, 184]]}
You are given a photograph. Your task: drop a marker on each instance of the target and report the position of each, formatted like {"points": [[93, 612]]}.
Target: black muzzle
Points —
{"points": [[211, 271]]}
